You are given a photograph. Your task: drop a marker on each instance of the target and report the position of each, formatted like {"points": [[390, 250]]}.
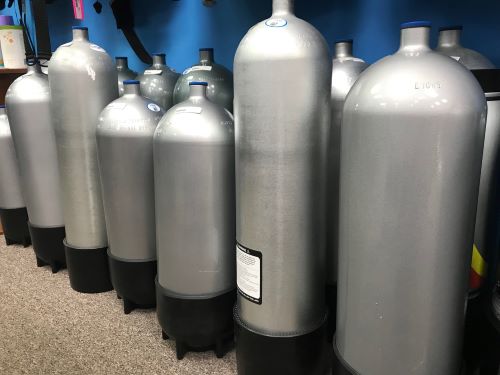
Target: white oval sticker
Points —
{"points": [[149, 72], [196, 110], [276, 22], [197, 68], [154, 107]]}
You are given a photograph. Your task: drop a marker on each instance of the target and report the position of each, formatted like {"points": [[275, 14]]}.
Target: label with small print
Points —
{"points": [[426, 85], [276, 22], [196, 110], [249, 273], [455, 57], [154, 107], [152, 72], [119, 106], [197, 68], [95, 47]]}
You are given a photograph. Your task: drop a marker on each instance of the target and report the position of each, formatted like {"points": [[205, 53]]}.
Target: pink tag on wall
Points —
{"points": [[78, 9]]}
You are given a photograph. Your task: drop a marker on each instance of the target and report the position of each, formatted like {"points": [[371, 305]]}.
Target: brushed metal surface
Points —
{"points": [[449, 45], [124, 73], [125, 153], [158, 82], [219, 79], [282, 72], [83, 80], [345, 71], [28, 108], [10, 183], [195, 198]]}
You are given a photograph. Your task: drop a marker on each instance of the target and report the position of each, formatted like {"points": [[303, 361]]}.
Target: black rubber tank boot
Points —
{"points": [[88, 269], [197, 324], [48, 246], [15, 226], [134, 282]]}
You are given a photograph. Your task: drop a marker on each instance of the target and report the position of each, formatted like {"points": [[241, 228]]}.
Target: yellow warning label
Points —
{"points": [[478, 263]]}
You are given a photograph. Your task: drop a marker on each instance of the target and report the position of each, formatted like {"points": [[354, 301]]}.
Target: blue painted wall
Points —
{"points": [[179, 28]]}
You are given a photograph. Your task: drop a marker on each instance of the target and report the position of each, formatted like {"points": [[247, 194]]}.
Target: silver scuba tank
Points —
{"points": [[345, 71], [195, 214], [158, 82], [83, 80], [125, 153], [28, 109], [219, 79], [124, 73], [411, 147], [449, 45], [282, 76], [13, 214]]}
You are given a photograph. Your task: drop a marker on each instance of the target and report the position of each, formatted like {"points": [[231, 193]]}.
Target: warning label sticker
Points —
{"points": [[153, 72], [249, 273]]}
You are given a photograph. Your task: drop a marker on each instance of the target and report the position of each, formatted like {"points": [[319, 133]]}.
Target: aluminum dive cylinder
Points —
{"points": [[478, 347], [218, 77], [83, 80], [195, 229], [13, 213], [449, 45], [125, 153], [345, 71], [28, 109], [158, 82], [282, 72], [124, 72], [411, 146]]}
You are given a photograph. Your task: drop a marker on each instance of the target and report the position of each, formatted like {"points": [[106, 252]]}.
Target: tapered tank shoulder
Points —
{"points": [[81, 55], [4, 127], [469, 58], [196, 121], [424, 80], [29, 86], [279, 37], [130, 114]]}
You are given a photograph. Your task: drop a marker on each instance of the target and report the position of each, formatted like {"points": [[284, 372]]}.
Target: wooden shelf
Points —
{"points": [[13, 71]]}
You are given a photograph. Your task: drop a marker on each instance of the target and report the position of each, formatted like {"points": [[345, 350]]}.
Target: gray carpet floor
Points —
{"points": [[48, 328]]}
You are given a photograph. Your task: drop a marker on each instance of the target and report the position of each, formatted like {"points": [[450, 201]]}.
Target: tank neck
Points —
{"points": [[159, 60], [197, 91], [343, 49], [449, 38], [132, 89], [206, 56], [80, 35], [121, 63], [283, 7], [415, 39], [35, 68]]}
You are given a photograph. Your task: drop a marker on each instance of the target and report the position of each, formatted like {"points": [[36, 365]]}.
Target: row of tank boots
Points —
{"points": [[54, 266], [221, 346], [25, 241]]}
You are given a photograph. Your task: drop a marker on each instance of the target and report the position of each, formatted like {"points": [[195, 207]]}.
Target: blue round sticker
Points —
{"points": [[276, 22]]}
